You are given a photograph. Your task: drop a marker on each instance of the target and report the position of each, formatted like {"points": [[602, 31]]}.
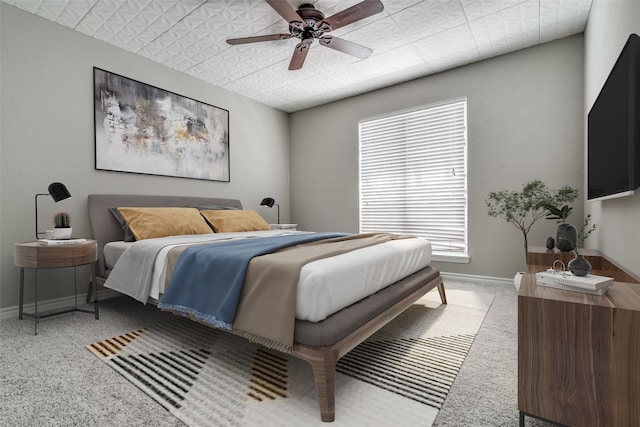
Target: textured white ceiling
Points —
{"points": [[410, 39]]}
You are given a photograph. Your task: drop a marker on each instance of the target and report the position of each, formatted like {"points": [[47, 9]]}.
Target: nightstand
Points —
{"points": [[291, 227], [37, 255]]}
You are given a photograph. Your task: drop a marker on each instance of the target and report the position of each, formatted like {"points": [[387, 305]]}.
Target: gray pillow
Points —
{"points": [[127, 235]]}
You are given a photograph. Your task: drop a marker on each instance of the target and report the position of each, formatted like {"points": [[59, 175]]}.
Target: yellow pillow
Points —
{"points": [[147, 223], [235, 220]]}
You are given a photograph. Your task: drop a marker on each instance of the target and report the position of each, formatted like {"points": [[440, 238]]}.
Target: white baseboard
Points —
{"points": [[54, 304]]}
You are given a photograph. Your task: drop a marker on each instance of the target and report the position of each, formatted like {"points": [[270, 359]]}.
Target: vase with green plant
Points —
{"points": [[579, 266], [62, 223], [566, 234], [524, 208]]}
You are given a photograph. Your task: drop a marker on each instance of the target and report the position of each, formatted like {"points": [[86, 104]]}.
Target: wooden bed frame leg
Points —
{"points": [[324, 374], [443, 295]]}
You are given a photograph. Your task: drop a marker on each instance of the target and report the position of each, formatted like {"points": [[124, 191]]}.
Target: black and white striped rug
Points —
{"points": [[399, 376]]}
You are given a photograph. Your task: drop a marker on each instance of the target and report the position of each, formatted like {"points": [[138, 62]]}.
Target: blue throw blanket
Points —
{"points": [[207, 280]]}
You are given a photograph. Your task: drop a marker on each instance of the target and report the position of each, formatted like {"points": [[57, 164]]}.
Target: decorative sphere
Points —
{"points": [[550, 243]]}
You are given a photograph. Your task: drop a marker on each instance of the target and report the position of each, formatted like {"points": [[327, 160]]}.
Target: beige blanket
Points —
{"points": [[267, 307]]}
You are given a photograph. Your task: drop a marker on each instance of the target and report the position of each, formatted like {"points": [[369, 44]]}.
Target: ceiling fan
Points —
{"points": [[308, 24]]}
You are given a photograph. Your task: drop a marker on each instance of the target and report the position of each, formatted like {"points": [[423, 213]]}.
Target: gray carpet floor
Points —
{"points": [[51, 380]]}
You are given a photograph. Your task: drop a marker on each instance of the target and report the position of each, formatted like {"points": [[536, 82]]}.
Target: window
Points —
{"points": [[413, 176]]}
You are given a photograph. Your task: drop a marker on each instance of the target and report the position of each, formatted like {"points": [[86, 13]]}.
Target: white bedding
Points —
{"points": [[327, 285]]}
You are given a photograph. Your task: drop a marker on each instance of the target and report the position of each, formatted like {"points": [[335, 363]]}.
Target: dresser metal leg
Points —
{"points": [[75, 289], [35, 312], [21, 294], [94, 283]]}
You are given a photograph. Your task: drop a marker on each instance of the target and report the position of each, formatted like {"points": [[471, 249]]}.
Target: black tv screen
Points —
{"points": [[613, 129]]}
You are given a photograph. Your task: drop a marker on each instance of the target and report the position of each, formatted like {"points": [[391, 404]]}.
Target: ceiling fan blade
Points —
{"points": [[268, 38], [285, 10], [345, 46], [299, 55], [354, 13]]}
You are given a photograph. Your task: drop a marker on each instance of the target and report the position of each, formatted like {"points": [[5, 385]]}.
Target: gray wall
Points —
{"points": [[525, 121], [47, 135], [609, 26]]}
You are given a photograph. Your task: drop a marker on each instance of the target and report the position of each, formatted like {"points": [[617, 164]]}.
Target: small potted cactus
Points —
{"points": [[62, 222]]}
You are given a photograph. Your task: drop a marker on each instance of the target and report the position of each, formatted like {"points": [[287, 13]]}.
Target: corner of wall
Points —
{"points": [[606, 32]]}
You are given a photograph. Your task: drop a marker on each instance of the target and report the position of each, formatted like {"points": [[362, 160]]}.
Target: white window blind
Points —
{"points": [[413, 177]]}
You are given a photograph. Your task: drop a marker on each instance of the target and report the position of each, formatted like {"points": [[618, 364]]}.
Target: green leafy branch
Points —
{"points": [[585, 231], [524, 208], [559, 214]]}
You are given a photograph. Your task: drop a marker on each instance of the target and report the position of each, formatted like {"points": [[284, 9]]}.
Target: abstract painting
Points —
{"points": [[143, 129]]}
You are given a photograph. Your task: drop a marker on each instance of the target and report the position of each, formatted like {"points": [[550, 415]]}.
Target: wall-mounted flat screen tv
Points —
{"points": [[614, 129]]}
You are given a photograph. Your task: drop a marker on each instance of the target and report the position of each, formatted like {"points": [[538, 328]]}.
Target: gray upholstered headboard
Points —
{"points": [[105, 227]]}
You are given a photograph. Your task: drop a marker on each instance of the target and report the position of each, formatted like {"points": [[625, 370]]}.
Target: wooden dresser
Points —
{"points": [[578, 354]]}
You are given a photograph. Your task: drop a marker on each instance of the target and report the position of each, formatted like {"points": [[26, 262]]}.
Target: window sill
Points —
{"points": [[458, 259]]}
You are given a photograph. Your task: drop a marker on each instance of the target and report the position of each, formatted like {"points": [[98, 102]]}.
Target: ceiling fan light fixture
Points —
{"points": [[296, 28], [324, 28]]}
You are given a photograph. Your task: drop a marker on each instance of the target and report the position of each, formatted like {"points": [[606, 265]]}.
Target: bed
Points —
{"points": [[321, 343]]}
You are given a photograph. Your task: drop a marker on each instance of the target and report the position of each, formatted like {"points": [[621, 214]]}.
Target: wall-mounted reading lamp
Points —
{"points": [[58, 192], [269, 202]]}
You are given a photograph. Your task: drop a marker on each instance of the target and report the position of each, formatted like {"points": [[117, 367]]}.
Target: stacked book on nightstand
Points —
{"points": [[589, 284], [61, 241]]}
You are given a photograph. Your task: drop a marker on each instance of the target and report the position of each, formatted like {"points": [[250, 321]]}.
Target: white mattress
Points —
{"points": [[112, 252], [331, 284], [328, 285]]}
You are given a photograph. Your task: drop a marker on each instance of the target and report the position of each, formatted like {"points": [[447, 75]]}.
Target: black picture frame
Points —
{"points": [[142, 129]]}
